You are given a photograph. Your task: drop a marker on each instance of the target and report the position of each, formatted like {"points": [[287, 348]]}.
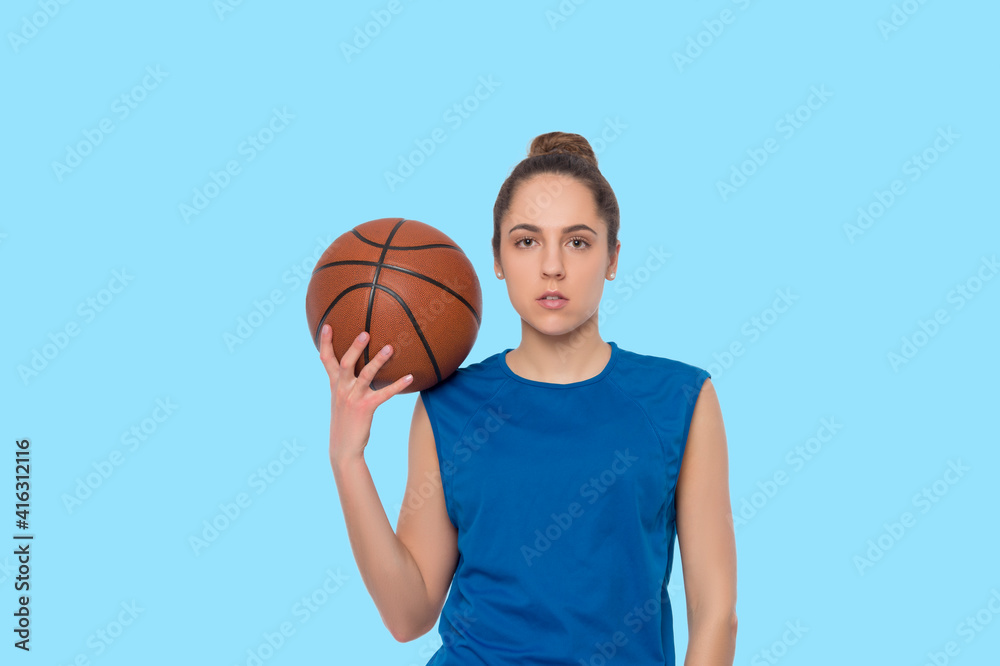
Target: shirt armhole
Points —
{"points": [[432, 416], [691, 391]]}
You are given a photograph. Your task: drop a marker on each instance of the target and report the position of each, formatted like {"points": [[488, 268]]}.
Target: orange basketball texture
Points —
{"points": [[409, 285]]}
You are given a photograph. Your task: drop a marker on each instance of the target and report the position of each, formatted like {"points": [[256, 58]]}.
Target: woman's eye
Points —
{"points": [[528, 239]]}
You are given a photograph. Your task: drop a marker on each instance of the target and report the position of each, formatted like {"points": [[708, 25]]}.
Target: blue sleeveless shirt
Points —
{"points": [[563, 498]]}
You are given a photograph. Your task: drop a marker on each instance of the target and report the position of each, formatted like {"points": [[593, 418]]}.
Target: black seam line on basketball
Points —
{"points": [[402, 303], [326, 313], [362, 262], [405, 247], [416, 327], [371, 294]]}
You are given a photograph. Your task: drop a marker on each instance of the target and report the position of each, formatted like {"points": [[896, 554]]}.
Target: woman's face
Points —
{"points": [[553, 239]]}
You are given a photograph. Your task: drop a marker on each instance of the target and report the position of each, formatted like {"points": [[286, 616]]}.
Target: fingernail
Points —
{"points": [[326, 329], [385, 350], [361, 335]]}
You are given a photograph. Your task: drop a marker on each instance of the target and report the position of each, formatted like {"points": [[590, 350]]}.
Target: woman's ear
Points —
{"points": [[613, 262]]}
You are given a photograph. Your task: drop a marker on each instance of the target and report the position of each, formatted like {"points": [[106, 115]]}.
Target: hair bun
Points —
{"points": [[562, 142]]}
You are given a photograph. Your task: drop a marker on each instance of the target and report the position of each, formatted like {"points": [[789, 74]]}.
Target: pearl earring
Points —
{"points": [[612, 275]]}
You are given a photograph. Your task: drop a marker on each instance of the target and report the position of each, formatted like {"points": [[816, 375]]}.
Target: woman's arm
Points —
{"points": [[705, 536]]}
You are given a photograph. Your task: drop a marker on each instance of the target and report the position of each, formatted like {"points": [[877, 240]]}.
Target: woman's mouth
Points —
{"points": [[552, 302]]}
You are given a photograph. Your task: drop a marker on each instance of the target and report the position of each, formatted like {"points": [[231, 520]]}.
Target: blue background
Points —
{"points": [[667, 131]]}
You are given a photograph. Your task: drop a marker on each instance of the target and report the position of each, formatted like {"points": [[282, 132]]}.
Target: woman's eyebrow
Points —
{"points": [[535, 229]]}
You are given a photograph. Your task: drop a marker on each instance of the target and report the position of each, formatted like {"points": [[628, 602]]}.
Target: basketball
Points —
{"points": [[408, 285]]}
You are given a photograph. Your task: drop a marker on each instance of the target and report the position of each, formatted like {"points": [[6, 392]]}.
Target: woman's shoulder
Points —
{"points": [[654, 380], [470, 374], [662, 365]]}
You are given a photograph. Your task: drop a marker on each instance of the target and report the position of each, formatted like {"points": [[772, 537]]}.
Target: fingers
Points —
{"points": [[368, 373], [353, 352], [392, 389], [326, 344], [329, 358], [344, 368], [326, 354]]}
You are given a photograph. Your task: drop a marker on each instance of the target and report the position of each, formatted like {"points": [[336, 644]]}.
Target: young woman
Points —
{"points": [[547, 483]]}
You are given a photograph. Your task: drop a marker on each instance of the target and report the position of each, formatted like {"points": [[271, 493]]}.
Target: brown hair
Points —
{"points": [[567, 154]]}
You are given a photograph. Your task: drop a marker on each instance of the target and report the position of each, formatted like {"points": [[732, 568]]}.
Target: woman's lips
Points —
{"points": [[553, 303]]}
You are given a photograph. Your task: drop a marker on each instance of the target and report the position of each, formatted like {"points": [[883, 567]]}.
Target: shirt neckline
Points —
{"points": [[596, 378]]}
